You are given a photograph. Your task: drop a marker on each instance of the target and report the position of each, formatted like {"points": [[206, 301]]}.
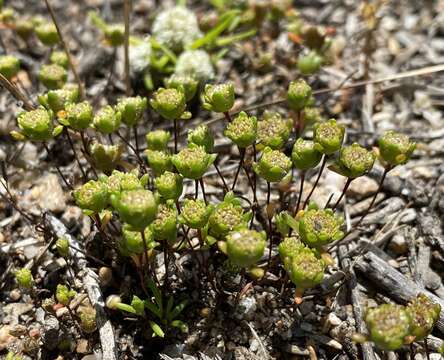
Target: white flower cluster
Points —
{"points": [[196, 64], [140, 54]]}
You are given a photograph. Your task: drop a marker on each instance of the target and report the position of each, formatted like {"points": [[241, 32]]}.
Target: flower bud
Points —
{"points": [[36, 124], [388, 325], [195, 213], [298, 94], [192, 162], [87, 315], [182, 82], [62, 246], [158, 140], [107, 120], [320, 227], [47, 34], [218, 98], [306, 269], [119, 181], [354, 161], [53, 76], [201, 136], [79, 116], [9, 66], [59, 58], [245, 247], [132, 240], [24, 278], [135, 207], [24, 28], [159, 161], [169, 185], [305, 155], [273, 165], [91, 196], [328, 136], [132, 109], [395, 148], [312, 115], [64, 294], [310, 63], [284, 222], [169, 103], [273, 131], [228, 216], [106, 157], [424, 314], [165, 224], [57, 99], [242, 130], [115, 34], [288, 248]]}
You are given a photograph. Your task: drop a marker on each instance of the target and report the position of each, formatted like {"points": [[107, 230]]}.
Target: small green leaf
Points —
{"points": [[178, 309], [153, 308], [57, 130], [157, 329], [180, 325], [157, 295], [126, 307]]}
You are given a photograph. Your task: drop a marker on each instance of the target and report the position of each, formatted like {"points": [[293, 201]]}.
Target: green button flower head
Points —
{"points": [[202, 136], [306, 268], [132, 109], [36, 124], [132, 239], [64, 294], [115, 34], [310, 63], [53, 76], [24, 28], [165, 224], [119, 181], [79, 116], [169, 185], [395, 148], [328, 136], [183, 82], [8, 16], [91, 197], [305, 155], [169, 103], [193, 161], [288, 248], [87, 315], [62, 246], [59, 58], [298, 94], [218, 98], [47, 34], [107, 120], [9, 66], [312, 115], [354, 161], [195, 213], [57, 99], [424, 314], [158, 140], [245, 247], [388, 325], [135, 207], [242, 130], [159, 161], [24, 278], [106, 157], [273, 131], [273, 165], [228, 216]]}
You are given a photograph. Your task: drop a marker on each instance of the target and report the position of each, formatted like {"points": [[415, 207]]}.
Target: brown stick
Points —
{"points": [[16, 93], [126, 7]]}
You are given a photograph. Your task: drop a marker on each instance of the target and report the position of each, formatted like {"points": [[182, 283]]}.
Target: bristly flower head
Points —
{"points": [[132, 241], [319, 227], [312, 115], [47, 34], [306, 268], [298, 95], [328, 136], [36, 124], [395, 148], [91, 197], [245, 247], [59, 58], [106, 157], [132, 109], [53, 76], [64, 294], [354, 161], [169, 185], [273, 131], [107, 120], [424, 314], [135, 207], [273, 165], [218, 98], [242, 130], [388, 324], [24, 278], [165, 224], [195, 213], [119, 181], [159, 161], [185, 82], [305, 155], [62, 246], [57, 99], [158, 140], [310, 63], [202, 136], [196, 64], [288, 248], [169, 103], [193, 161], [79, 116], [9, 66]]}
